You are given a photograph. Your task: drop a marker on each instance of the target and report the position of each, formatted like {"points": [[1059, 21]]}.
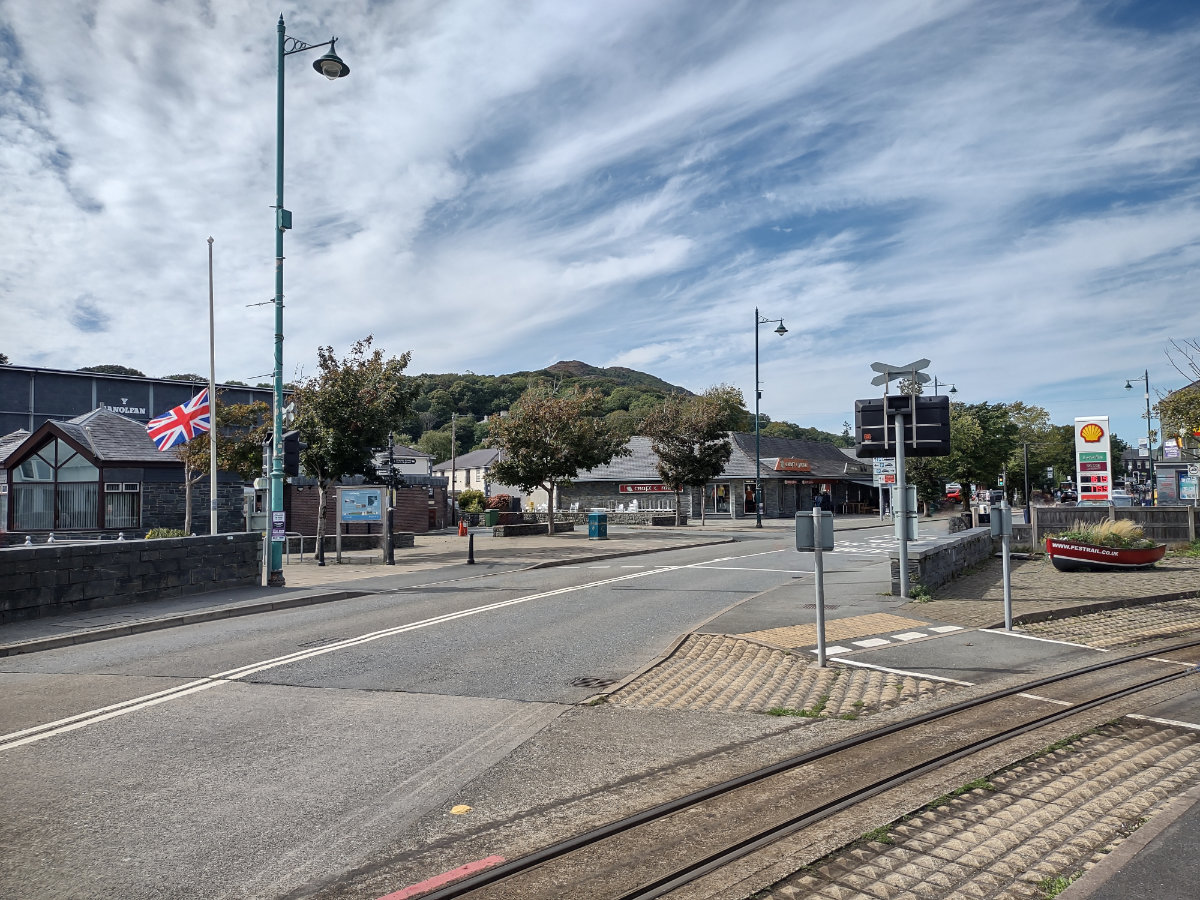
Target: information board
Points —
{"points": [[360, 504]]}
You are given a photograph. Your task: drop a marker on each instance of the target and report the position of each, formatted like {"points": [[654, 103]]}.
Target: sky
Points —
{"points": [[1008, 189]]}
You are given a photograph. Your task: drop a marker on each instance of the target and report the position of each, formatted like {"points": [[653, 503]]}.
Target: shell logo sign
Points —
{"points": [[1091, 433], [1093, 457]]}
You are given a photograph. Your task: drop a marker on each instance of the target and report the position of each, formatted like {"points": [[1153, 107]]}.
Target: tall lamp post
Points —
{"points": [[758, 497], [1149, 439], [331, 66]]}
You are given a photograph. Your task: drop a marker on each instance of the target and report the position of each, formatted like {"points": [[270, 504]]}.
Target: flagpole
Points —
{"points": [[212, 402]]}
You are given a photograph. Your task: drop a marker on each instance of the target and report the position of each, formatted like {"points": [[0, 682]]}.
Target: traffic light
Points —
{"points": [[292, 445]]}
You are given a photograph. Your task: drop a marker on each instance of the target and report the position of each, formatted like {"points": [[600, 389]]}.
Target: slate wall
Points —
{"points": [[50, 578]]}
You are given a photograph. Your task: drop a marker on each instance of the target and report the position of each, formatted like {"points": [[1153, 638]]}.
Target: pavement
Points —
{"points": [[758, 654]]}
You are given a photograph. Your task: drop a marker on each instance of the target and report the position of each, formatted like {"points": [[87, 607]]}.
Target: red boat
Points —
{"points": [[1072, 556]]}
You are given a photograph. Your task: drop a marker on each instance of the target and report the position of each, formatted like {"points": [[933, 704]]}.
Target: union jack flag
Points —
{"points": [[182, 423]]}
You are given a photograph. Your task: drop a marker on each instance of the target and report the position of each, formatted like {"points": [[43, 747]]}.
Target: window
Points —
{"points": [[122, 505], [56, 488]]}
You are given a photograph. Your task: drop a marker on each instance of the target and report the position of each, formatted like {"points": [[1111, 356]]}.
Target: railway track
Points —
{"points": [[662, 849]]}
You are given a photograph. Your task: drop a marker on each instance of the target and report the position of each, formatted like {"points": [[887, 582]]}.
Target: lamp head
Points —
{"points": [[1128, 386], [331, 65], [953, 389], [781, 330]]}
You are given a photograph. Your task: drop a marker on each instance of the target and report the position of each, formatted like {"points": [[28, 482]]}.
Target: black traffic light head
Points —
{"points": [[292, 445]]}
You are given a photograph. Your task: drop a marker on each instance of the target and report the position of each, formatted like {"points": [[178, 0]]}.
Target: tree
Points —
{"points": [[111, 369], [347, 410], [548, 437], [690, 438], [3, 359], [187, 376], [242, 428]]}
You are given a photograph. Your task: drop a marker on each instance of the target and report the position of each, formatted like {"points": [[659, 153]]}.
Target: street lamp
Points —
{"points": [[1149, 439], [331, 66], [758, 497], [953, 389]]}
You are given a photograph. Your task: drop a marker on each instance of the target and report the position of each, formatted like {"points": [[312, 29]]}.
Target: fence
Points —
{"points": [[1162, 524]]}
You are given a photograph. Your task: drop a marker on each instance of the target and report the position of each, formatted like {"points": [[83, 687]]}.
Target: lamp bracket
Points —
{"points": [[295, 45]]}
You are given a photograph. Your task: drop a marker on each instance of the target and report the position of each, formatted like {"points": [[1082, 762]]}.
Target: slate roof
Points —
{"points": [[10, 442], [826, 460], [107, 436], [474, 460]]}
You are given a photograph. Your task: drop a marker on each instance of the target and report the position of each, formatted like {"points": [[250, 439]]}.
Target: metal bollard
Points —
{"points": [[471, 550], [28, 541], [120, 535], [50, 540]]}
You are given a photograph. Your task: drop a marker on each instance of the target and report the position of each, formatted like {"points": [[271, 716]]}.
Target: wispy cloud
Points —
{"points": [[1009, 189]]}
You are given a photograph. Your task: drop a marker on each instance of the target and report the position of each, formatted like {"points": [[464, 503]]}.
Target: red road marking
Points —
{"points": [[424, 887]]}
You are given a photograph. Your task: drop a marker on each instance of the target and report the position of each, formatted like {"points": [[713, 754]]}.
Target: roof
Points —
{"points": [[474, 460], [107, 436], [825, 460], [10, 442]]}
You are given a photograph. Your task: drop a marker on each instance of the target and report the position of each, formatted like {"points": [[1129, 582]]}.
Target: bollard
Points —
{"points": [[120, 535], [471, 550], [28, 541], [50, 540]]}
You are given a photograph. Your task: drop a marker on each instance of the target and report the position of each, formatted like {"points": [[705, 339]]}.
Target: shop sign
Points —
{"points": [[643, 489], [788, 464], [1093, 456]]}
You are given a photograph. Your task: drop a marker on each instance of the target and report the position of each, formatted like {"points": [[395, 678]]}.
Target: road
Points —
{"points": [[252, 757]]}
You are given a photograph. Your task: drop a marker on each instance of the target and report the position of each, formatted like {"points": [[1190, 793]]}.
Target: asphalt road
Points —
{"points": [[251, 757]]}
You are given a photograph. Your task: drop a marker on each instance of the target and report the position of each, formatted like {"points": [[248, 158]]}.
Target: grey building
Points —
{"points": [[31, 396], [792, 473]]}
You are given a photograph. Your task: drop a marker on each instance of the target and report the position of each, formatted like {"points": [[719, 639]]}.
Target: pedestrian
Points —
{"points": [[826, 501]]}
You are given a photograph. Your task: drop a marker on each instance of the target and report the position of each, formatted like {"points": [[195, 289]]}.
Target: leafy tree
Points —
{"points": [[189, 376], [345, 411], [242, 428], [548, 437], [690, 438], [470, 500], [3, 359], [112, 369], [1179, 411], [732, 406]]}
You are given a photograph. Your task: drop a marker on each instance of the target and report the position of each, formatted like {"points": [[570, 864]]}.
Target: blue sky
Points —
{"points": [[1008, 189]]}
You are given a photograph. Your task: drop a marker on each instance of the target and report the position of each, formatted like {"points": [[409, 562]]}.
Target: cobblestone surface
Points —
{"points": [[1053, 816], [720, 672], [1125, 627], [977, 599]]}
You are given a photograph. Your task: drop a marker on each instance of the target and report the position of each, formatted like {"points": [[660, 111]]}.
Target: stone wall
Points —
{"points": [[649, 517], [50, 578], [943, 559]]}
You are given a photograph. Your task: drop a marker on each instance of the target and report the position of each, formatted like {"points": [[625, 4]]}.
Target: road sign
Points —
{"points": [[1194, 468], [891, 373]]}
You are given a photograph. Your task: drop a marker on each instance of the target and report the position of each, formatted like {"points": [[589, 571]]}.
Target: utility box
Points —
{"points": [[1001, 522], [814, 532], [598, 525], [906, 525]]}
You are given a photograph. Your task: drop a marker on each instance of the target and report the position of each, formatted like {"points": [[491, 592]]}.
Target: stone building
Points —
{"points": [[100, 474]]}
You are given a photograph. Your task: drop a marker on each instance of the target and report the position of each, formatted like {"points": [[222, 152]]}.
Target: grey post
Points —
{"points": [[900, 504]]}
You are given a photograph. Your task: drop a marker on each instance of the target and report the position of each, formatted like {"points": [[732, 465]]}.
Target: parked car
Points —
{"points": [[1122, 498], [954, 491]]}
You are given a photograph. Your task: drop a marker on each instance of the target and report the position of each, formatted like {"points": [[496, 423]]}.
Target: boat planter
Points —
{"points": [[1073, 556]]}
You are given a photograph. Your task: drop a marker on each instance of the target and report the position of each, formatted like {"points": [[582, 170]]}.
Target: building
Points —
{"points": [[469, 471], [792, 473], [101, 474], [31, 396]]}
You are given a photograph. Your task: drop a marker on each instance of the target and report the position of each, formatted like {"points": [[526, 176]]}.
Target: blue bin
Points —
{"points": [[597, 525]]}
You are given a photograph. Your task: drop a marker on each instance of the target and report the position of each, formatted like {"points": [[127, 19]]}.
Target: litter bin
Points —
{"points": [[598, 525], [491, 517]]}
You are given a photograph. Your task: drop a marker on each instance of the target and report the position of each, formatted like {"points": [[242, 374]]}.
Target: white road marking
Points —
{"points": [[61, 726], [862, 665], [910, 635], [1030, 637], [1044, 699], [1192, 725], [871, 642], [945, 629]]}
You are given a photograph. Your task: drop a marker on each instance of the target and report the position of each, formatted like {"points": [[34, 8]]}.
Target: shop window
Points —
{"points": [[56, 488]]}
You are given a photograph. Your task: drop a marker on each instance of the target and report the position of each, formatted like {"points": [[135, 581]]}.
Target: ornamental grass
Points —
{"points": [[1121, 534]]}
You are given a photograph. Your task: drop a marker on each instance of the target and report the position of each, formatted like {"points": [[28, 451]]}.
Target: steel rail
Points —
{"points": [[715, 861]]}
